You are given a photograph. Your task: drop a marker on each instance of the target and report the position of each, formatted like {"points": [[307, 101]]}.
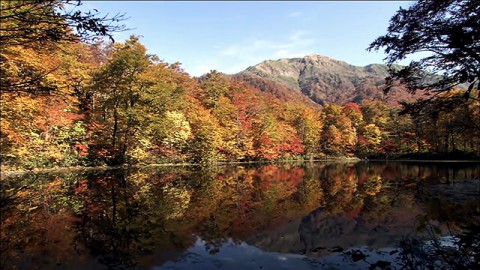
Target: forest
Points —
{"points": [[67, 100]]}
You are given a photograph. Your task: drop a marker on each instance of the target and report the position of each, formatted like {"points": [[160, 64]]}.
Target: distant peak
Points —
{"points": [[316, 56], [313, 56], [320, 58]]}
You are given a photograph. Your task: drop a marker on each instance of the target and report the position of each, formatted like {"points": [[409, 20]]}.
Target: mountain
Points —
{"points": [[324, 80]]}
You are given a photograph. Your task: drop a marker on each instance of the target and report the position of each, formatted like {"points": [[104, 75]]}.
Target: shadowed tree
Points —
{"points": [[449, 31], [28, 22]]}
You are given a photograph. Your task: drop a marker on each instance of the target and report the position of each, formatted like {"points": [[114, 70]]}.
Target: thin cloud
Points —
{"points": [[237, 57], [295, 14], [263, 47]]}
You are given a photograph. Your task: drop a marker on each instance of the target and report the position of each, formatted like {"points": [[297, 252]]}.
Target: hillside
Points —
{"points": [[83, 106], [279, 90], [326, 80]]}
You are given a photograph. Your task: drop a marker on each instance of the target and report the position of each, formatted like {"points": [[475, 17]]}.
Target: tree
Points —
{"points": [[215, 86], [449, 30], [447, 123], [43, 26], [309, 127], [339, 135], [226, 113], [206, 136], [372, 135], [353, 111], [375, 112], [118, 87], [45, 124], [26, 23]]}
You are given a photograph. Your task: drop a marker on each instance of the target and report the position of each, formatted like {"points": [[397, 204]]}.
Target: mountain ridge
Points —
{"points": [[327, 80]]}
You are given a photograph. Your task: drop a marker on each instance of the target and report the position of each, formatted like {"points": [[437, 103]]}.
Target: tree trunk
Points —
{"points": [[115, 127]]}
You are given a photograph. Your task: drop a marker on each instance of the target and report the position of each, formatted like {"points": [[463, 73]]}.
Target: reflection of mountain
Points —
{"points": [[459, 191], [320, 233]]}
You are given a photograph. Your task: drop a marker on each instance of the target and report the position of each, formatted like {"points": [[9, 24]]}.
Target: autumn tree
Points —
{"points": [[45, 66], [448, 30], [46, 123], [375, 112], [117, 87], [309, 126], [371, 138], [339, 136], [42, 25], [375, 133], [248, 109], [164, 126], [215, 86], [140, 107], [352, 110], [28, 22], [447, 124], [401, 131], [227, 115], [207, 140]]}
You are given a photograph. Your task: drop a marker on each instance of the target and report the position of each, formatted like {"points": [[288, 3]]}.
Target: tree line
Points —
{"points": [[69, 101]]}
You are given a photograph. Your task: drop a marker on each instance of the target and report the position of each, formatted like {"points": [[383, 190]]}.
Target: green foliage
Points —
{"points": [[214, 85], [138, 97]]}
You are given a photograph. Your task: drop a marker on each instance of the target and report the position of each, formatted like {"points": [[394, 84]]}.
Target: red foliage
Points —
{"points": [[286, 175], [81, 186], [55, 112], [296, 146], [362, 141], [81, 149], [351, 107]]}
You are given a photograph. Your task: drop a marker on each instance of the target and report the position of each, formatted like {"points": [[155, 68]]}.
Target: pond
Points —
{"points": [[288, 216]]}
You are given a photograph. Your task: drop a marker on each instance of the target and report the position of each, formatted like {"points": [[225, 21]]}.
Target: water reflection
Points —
{"points": [[144, 218]]}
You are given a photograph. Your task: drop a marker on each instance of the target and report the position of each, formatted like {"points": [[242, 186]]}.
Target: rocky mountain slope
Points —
{"points": [[324, 80]]}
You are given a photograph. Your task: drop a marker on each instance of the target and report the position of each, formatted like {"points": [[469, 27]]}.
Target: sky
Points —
{"points": [[230, 36]]}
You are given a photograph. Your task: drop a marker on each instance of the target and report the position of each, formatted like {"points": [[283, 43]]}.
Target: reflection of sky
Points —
{"points": [[243, 256]]}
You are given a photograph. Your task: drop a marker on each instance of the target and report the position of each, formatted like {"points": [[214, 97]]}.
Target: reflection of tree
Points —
{"points": [[339, 181], [373, 185], [121, 217], [457, 217], [364, 203], [310, 193], [105, 221], [133, 212], [36, 220], [213, 205]]}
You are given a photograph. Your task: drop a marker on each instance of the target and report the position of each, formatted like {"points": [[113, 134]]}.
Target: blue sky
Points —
{"points": [[231, 36]]}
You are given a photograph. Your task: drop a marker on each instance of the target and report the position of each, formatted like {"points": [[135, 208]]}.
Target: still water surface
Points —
{"points": [[307, 216]]}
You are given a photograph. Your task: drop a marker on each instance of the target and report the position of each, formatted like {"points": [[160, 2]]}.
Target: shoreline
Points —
{"points": [[11, 173]]}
